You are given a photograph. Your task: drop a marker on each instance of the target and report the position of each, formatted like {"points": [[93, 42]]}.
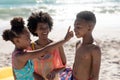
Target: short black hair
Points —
{"points": [[17, 27], [87, 16], [39, 17]]}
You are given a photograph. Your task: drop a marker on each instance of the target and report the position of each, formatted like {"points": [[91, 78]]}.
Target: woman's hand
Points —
{"points": [[37, 76], [51, 75]]}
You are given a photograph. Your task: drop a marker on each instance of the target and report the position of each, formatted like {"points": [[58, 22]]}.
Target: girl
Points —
{"points": [[23, 68]]}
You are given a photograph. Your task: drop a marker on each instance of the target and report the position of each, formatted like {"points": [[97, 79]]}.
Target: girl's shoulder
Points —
{"points": [[17, 51]]}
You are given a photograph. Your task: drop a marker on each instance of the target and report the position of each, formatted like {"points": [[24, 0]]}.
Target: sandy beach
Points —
{"points": [[107, 39], [106, 32]]}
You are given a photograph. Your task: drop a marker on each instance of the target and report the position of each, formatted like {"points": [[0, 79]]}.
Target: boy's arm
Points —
{"points": [[96, 60]]}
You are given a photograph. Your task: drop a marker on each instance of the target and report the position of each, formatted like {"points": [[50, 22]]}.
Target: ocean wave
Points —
{"points": [[6, 13], [58, 9], [24, 11]]}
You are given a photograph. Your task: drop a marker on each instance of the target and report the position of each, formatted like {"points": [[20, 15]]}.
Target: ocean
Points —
{"points": [[63, 12]]}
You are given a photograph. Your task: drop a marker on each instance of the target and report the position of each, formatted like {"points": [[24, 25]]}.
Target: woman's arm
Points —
{"points": [[62, 55], [53, 73], [37, 76]]}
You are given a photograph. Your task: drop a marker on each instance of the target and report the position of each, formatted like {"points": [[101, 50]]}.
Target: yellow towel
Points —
{"points": [[6, 73]]}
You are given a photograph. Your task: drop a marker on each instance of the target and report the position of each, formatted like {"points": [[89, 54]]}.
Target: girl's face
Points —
{"points": [[42, 30], [81, 27], [24, 39]]}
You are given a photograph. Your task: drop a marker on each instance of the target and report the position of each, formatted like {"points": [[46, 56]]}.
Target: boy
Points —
{"points": [[88, 55]]}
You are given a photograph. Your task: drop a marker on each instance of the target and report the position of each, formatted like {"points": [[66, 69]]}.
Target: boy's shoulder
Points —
{"points": [[95, 48]]}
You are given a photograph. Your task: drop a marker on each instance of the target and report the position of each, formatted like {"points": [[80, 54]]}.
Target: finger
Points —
{"points": [[69, 29], [72, 34]]}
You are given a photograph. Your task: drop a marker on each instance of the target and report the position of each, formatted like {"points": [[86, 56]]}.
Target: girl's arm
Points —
{"points": [[40, 52], [13, 74]]}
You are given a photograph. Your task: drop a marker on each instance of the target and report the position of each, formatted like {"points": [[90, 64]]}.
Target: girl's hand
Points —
{"points": [[69, 35]]}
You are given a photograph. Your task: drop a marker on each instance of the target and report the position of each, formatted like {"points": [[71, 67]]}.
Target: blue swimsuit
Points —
{"points": [[26, 73]]}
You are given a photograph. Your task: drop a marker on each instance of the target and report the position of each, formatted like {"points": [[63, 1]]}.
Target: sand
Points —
{"points": [[108, 40]]}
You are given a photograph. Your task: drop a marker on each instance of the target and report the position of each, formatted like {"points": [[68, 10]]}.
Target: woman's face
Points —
{"points": [[42, 30]]}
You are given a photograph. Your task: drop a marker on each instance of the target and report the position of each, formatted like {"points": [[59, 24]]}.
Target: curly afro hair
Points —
{"points": [[17, 27], [38, 17]]}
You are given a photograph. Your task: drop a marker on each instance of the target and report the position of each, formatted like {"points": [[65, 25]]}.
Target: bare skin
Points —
{"points": [[61, 50], [84, 66], [88, 55], [23, 41], [43, 31]]}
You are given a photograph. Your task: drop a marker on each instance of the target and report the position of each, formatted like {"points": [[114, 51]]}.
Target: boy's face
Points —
{"points": [[42, 30], [81, 27]]}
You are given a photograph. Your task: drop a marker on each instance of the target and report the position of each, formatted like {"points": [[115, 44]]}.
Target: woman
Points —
{"points": [[40, 24]]}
